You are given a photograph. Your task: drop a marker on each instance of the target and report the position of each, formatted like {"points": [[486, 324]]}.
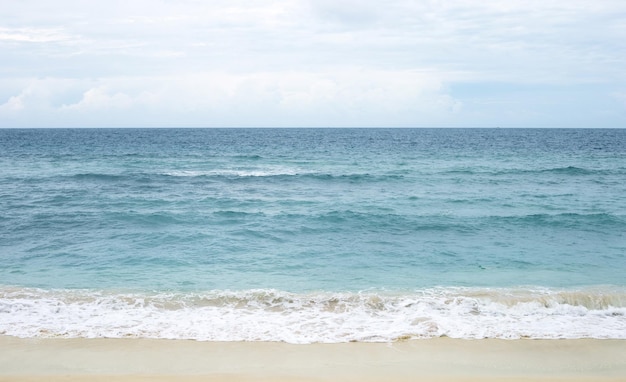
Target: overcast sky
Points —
{"points": [[518, 63]]}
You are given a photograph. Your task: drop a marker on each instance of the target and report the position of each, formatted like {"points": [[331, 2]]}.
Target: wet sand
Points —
{"points": [[442, 359]]}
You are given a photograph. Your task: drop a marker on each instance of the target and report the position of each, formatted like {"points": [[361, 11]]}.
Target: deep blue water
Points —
{"points": [[311, 210]]}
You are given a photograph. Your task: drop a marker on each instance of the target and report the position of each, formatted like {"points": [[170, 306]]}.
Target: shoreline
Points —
{"points": [[439, 359]]}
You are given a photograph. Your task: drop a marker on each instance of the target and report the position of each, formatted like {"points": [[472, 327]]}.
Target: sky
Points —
{"points": [[313, 63]]}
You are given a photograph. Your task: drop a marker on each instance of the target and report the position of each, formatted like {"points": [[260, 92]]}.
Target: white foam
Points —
{"points": [[269, 315], [266, 172]]}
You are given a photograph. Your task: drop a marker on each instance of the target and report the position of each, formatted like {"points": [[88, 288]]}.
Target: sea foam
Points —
{"points": [[272, 315]]}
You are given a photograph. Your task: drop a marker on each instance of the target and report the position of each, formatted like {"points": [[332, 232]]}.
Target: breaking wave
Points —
{"points": [[272, 315]]}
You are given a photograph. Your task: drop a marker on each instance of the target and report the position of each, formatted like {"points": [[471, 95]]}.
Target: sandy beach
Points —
{"points": [[441, 359]]}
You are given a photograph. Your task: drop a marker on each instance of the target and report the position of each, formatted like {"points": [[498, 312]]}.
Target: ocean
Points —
{"points": [[313, 235]]}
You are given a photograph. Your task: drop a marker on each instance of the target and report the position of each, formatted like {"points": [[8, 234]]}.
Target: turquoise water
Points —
{"points": [[168, 223]]}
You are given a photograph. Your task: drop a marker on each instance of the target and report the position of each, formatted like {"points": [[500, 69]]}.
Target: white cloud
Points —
{"points": [[342, 98], [35, 95], [33, 35], [100, 99], [15, 103], [307, 62]]}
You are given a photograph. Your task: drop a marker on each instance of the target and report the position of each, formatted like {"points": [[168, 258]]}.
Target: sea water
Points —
{"points": [[313, 235]]}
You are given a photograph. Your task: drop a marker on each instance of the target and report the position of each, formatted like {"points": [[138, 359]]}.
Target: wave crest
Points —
{"points": [[272, 315]]}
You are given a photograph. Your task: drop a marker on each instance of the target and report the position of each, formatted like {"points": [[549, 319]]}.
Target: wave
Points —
{"points": [[232, 173], [229, 175], [568, 220], [567, 170], [272, 315], [572, 170], [98, 177], [284, 174], [447, 221], [288, 173]]}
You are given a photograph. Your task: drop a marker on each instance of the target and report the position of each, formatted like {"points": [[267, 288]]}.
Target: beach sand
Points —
{"points": [[441, 359]]}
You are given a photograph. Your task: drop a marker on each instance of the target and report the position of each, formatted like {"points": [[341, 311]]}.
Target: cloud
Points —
{"points": [[341, 98], [348, 12], [240, 62], [33, 35], [34, 95], [100, 99]]}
